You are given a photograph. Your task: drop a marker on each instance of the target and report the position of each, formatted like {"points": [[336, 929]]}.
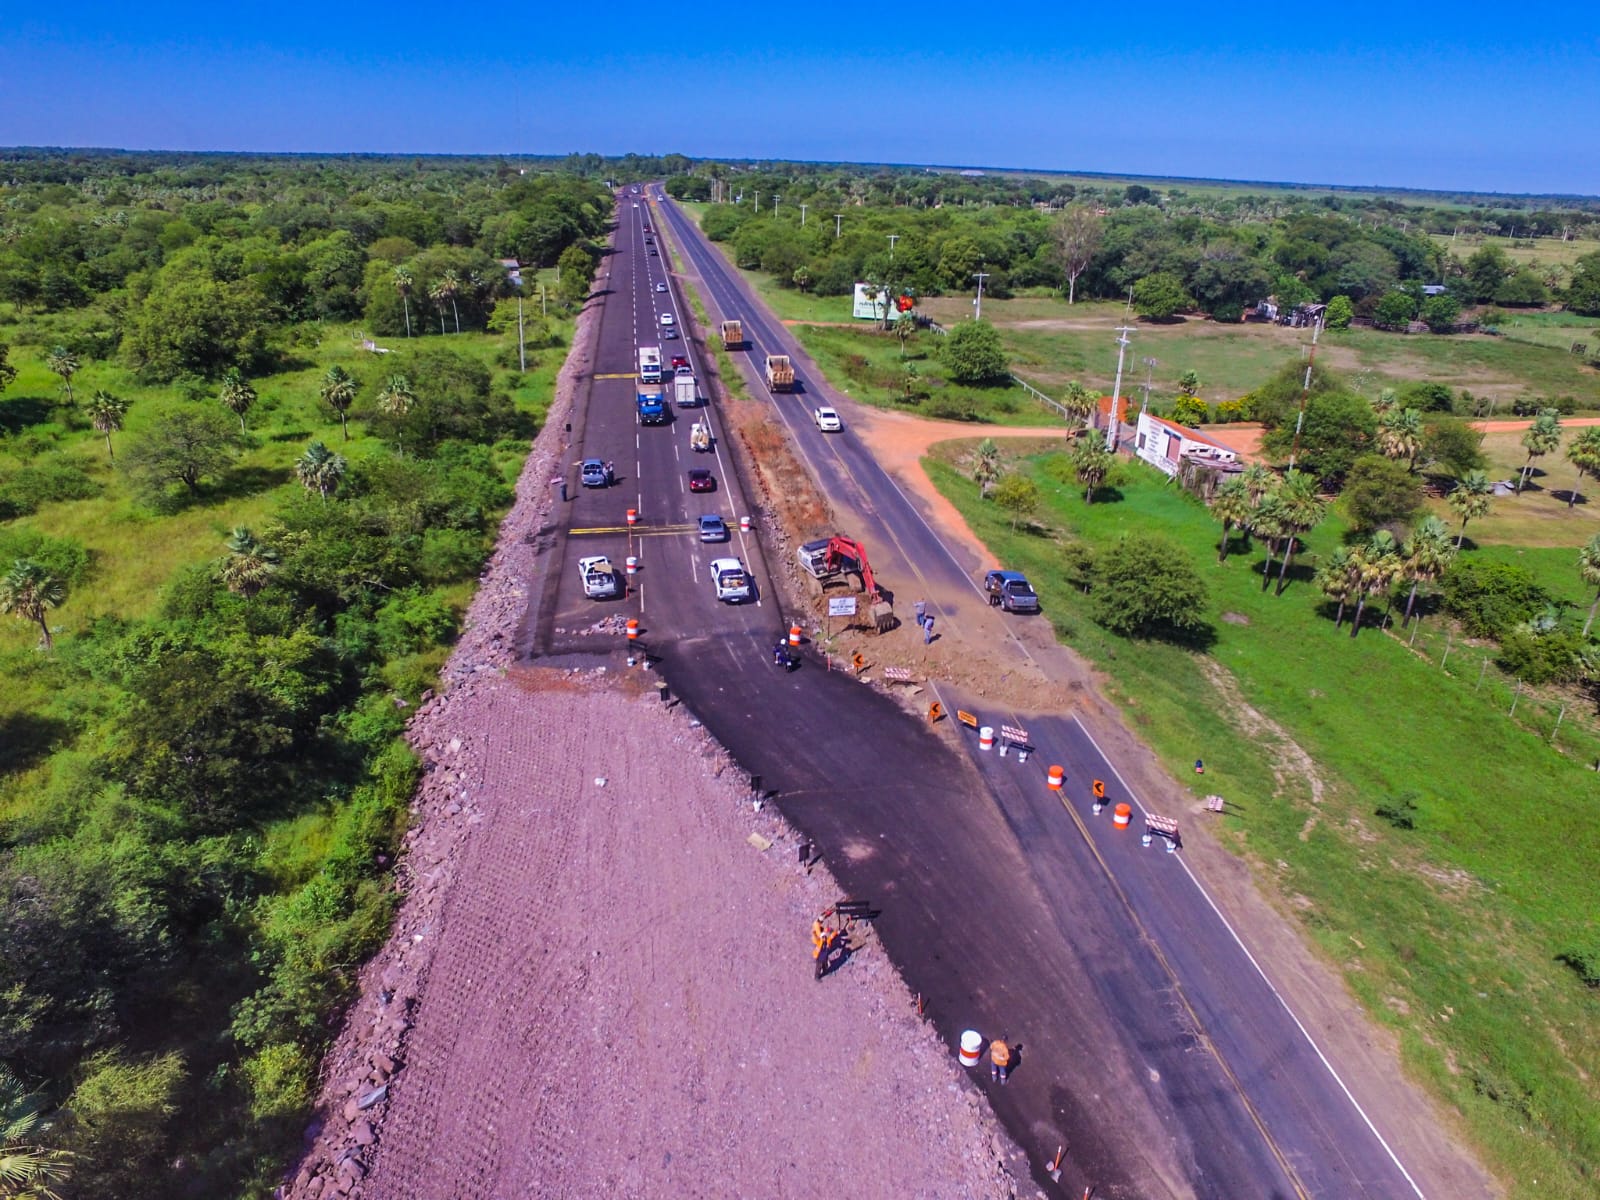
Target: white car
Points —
{"points": [[666, 321], [827, 420], [661, 287], [730, 579]]}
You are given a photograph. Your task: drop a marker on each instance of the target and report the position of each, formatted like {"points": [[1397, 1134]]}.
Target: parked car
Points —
{"points": [[1011, 591], [701, 480], [827, 420], [713, 528], [730, 580], [595, 473]]}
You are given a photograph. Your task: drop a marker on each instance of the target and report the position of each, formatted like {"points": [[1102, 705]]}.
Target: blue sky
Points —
{"points": [[1396, 95]]}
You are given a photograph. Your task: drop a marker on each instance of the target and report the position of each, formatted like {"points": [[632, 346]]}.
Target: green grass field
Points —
{"points": [[1532, 252], [1448, 932]]}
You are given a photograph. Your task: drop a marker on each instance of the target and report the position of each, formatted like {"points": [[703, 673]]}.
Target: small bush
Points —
{"points": [[1584, 962], [1400, 811], [413, 621], [953, 408], [1490, 599]]}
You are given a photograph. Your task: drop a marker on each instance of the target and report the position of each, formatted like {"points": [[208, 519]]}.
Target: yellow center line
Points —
{"points": [[636, 530], [622, 375]]}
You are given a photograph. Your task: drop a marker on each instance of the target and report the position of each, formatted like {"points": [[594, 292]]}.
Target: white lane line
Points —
{"points": [[1277, 995]]}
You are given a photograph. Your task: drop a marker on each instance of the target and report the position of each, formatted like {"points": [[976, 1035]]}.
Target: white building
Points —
{"points": [[1165, 444]]}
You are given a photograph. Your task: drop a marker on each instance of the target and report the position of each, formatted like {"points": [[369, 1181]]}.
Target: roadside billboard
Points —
{"points": [[870, 308]]}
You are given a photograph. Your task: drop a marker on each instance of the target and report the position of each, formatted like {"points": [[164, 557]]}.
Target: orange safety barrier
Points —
{"points": [[633, 517], [986, 738], [1121, 815], [631, 563], [794, 635], [1056, 777], [633, 629], [744, 524]]}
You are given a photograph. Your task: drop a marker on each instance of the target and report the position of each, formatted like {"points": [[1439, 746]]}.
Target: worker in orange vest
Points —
{"points": [[823, 938], [999, 1060]]}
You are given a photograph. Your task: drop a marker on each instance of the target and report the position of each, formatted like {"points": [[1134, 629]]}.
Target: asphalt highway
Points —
{"points": [[1151, 1045]]}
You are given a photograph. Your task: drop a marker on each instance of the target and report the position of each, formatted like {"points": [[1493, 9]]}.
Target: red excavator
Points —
{"points": [[845, 554]]}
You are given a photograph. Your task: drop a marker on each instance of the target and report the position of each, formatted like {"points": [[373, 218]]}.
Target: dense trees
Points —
{"points": [[1147, 587]]}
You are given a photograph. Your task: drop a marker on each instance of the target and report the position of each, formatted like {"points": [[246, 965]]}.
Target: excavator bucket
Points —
{"points": [[883, 618]]}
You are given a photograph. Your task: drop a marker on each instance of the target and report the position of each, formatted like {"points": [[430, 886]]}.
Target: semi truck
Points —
{"points": [[649, 364], [780, 373], [652, 408], [732, 335], [684, 390]]}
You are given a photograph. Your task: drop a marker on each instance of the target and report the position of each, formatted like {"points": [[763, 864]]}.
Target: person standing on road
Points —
{"points": [[922, 612], [999, 1060], [927, 630]]}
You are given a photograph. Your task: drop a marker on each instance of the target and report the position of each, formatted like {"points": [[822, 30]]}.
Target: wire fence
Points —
{"points": [[1055, 405]]}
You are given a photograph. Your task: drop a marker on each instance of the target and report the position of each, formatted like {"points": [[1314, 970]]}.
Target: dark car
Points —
{"points": [[1011, 591], [702, 480], [669, 334]]}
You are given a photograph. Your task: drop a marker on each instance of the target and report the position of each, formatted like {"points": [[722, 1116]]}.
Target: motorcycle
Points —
{"points": [[784, 657]]}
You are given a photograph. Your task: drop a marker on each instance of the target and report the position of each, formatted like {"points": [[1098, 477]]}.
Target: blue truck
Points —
{"points": [[652, 408]]}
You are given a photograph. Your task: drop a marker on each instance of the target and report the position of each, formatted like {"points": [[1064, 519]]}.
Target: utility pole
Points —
{"points": [[758, 201], [893, 238], [1149, 370], [803, 208], [1305, 393], [1115, 429], [522, 353], [977, 304], [775, 199], [837, 217]]}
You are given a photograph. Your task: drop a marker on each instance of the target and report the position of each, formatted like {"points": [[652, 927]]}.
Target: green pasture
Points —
{"points": [[1449, 932]]}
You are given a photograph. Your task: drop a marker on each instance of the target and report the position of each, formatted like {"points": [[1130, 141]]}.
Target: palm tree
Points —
{"points": [[1589, 570], [1300, 511], [105, 414], [448, 288], [986, 466], [1584, 453], [1400, 435], [339, 393], [1079, 402], [237, 396], [1094, 463], [64, 363], [249, 566], [29, 591], [1427, 555], [1267, 523], [1231, 505], [1259, 480], [1472, 498], [1336, 580], [1539, 439], [320, 469], [27, 1169], [396, 400], [404, 280], [1375, 566]]}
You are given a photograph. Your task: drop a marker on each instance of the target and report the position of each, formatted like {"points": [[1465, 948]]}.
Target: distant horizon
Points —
{"points": [[1373, 97], [776, 161]]}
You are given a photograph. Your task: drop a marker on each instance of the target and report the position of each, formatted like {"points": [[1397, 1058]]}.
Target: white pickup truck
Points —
{"points": [[730, 579], [599, 578]]}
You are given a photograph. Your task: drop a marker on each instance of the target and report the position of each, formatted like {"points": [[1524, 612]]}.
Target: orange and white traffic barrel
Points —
{"points": [[986, 738], [1055, 778], [1121, 815], [744, 524], [971, 1048], [633, 629], [633, 517], [794, 635], [631, 563]]}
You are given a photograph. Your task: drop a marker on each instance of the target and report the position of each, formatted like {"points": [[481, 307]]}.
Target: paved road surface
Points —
{"points": [[1150, 1046]]}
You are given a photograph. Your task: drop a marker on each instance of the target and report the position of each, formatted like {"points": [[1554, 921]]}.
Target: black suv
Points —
{"points": [[1011, 591]]}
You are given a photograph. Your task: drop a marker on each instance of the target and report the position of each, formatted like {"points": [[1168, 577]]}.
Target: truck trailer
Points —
{"points": [[649, 364], [684, 390], [780, 373], [732, 335]]}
